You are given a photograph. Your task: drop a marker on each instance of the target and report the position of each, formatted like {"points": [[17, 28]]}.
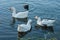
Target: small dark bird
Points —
{"points": [[26, 6]]}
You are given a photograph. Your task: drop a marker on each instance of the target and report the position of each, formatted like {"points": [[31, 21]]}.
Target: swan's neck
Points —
{"points": [[29, 23], [13, 12], [39, 21]]}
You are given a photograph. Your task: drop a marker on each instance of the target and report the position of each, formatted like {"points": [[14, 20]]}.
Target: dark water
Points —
{"points": [[43, 8]]}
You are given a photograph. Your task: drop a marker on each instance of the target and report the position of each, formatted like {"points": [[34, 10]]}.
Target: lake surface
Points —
{"points": [[43, 8]]}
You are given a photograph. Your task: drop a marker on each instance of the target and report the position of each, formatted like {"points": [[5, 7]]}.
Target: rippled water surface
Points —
{"points": [[43, 8]]}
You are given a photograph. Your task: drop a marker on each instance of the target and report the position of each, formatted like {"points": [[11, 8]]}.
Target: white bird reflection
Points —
{"points": [[14, 20], [47, 31]]}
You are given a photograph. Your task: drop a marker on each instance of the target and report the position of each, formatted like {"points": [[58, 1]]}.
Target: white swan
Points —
{"points": [[44, 21], [19, 14], [25, 27]]}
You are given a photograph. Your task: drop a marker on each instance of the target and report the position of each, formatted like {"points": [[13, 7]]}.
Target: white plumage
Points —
{"points": [[25, 27], [44, 21], [19, 14]]}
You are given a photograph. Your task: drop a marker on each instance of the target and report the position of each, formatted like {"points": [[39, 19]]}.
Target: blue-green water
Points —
{"points": [[43, 8]]}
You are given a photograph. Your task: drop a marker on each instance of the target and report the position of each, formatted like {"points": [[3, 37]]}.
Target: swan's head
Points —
{"points": [[12, 8], [36, 17], [26, 6]]}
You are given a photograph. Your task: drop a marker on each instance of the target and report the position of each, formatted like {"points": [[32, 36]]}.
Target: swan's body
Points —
{"points": [[19, 14], [48, 22], [45, 22], [24, 27]]}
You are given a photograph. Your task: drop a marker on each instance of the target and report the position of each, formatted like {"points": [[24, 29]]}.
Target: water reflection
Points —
{"points": [[22, 20], [22, 34], [47, 30], [13, 21]]}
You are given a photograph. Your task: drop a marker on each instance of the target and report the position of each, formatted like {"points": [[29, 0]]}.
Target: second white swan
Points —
{"points": [[24, 27], [44, 21], [20, 14]]}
